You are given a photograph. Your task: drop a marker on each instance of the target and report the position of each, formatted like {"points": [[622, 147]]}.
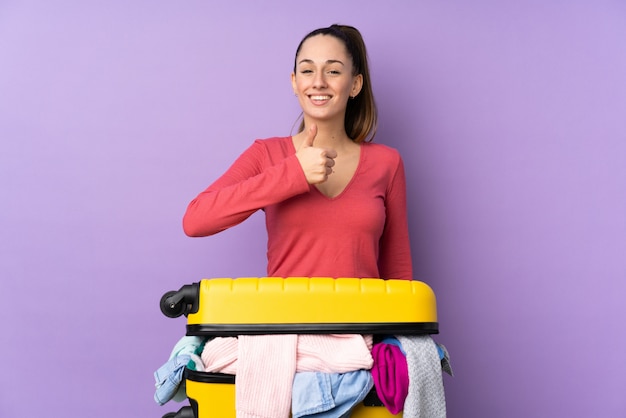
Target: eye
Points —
{"points": [[306, 71]]}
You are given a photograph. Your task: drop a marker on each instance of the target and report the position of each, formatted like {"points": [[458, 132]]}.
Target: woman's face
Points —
{"points": [[323, 79]]}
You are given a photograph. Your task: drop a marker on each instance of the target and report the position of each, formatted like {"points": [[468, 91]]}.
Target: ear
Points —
{"points": [[357, 85], [293, 82]]}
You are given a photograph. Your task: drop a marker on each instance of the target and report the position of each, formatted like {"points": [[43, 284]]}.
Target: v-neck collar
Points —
{"points": [[350, 182]]}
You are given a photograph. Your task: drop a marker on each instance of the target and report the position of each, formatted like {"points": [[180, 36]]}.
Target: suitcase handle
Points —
{"points": [[181, 302]]}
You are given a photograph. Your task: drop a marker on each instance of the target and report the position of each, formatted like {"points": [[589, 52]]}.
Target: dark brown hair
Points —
{"points": [[361, 114]]}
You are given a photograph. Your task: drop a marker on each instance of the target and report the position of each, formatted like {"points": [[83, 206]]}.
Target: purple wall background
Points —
{"points": [[511, 118]]}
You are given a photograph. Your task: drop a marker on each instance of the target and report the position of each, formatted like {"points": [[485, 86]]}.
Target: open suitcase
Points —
{"points": [[295, 305]]}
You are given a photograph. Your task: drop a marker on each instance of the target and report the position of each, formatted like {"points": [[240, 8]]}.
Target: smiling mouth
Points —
{"points": [[319, 98]]}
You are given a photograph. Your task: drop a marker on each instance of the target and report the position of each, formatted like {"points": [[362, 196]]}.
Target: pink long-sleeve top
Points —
{"points": [[362, 232]]}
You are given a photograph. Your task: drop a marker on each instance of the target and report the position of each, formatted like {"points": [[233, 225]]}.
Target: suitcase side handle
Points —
{"points": [[181, 302]]}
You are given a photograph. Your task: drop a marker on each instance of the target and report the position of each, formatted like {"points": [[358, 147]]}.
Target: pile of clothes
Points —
{"points": [[317, 376]]}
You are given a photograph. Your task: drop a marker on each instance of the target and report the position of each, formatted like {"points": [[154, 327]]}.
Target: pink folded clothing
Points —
{"points": [[267, 365], [221, 354], [328, 353], [391, 376], [334, 353]]}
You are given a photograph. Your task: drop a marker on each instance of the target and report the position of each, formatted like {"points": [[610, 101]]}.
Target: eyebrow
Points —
{"points": [[309, 61]]}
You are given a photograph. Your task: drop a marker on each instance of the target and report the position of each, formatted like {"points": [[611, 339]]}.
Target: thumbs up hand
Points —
{"points": [[317, 163]]}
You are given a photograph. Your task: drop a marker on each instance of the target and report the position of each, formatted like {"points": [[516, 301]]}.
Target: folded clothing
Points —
{"points": [[328, 353], [266, 365], [391, 376], [426, 395], [328, 395], [169, 381]]}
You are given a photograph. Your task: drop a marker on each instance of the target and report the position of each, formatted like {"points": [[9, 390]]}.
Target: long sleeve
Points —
{"points": [[395, 251], [256, 179]]}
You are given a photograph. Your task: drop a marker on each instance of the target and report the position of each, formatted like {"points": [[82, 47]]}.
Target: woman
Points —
{"points": [[335, 203], [335, 206]]}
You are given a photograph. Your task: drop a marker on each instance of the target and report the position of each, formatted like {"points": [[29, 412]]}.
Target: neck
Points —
{"points": [[329, 134]]}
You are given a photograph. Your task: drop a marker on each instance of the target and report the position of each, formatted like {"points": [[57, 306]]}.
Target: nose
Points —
{"points": [[319, 81]]}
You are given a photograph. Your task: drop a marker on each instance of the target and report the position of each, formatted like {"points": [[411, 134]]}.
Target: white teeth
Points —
{"points": [[320, 97]]}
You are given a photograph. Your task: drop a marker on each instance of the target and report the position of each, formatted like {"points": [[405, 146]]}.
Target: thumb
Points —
{"points": [[310, 136]]}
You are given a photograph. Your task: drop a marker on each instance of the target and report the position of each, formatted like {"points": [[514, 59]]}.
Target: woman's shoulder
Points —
{"points": [[275, 141], [270, 150], [382, 151]]}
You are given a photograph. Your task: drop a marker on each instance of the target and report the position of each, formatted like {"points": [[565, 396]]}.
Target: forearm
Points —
{"points": [[233, 198]]}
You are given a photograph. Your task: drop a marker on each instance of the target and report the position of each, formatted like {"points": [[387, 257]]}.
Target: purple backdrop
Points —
{"points": [[511, 117]]}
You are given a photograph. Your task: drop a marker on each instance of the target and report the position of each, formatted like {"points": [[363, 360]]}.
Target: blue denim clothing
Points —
{"points": [[170, 384], [329, 395], [169, 378]]}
